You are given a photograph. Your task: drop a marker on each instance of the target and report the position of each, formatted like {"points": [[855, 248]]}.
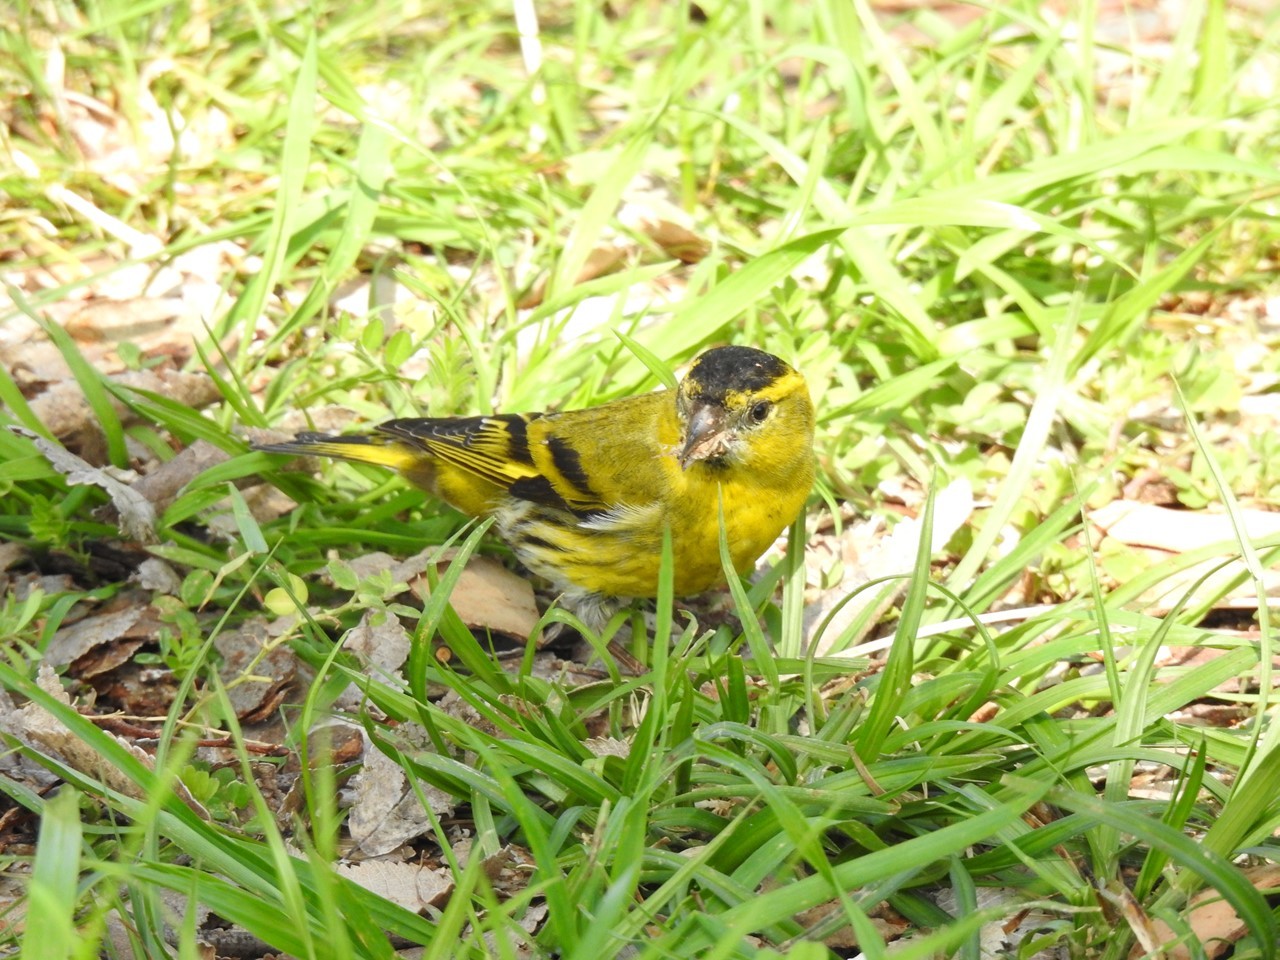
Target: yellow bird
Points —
{"points": [[582, 497]]}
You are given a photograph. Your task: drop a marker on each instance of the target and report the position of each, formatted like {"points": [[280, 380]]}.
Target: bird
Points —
{"points": [[583, 497]]}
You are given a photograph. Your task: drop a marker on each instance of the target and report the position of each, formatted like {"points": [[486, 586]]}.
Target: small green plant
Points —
{"points": [[19, 623], [219, 790], [48, 525], [181, 643]]}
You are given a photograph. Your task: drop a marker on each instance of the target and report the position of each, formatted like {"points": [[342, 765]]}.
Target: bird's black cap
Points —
{"points": [[724, 370]]}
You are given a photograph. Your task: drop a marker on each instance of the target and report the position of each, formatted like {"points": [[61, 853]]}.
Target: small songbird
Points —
{"points": [[582, 497]]}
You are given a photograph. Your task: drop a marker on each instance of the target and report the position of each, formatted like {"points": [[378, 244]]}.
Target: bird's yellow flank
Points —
{"points": [[582, 497]]}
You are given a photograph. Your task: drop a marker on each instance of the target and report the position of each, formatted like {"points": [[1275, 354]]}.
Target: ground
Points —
{"points": [[1006, 690]]}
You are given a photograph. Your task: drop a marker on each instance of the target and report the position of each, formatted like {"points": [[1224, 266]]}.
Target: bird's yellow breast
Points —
{"points": [[618, 554]]}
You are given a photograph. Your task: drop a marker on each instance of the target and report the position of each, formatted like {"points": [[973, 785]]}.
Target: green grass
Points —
{"points": [[1014, 252]]}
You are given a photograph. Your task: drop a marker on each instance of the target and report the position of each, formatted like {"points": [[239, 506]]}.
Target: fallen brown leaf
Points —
{"points": [[602, 260], [411, 885], [1212, 919], [260, 672], [387, 812], [71, 643], [1178, 531], [488, 596], [1159, 533], [65, 412], [137, 518], [676, 241], [382, 642], [38, 727]]}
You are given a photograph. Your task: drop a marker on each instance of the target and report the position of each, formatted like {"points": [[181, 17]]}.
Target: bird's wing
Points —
{"points": [[498, 449]]}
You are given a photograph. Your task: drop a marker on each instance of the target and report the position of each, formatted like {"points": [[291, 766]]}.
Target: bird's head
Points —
{"points": [[739, 405]]}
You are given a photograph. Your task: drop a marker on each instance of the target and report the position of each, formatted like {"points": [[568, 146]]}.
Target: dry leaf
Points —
{"points": [[137, 518], [842, 938], [259, 671], [386, 812], [1161, 533], [1001, 937], [401, 571], [326, 419], [676, 241], [119, 321], [71, 643], [65, 412], [10, 554], [600, 261], [1212, 919], [157, 576], [381, 639], [1178, 531], [508, 869], [608, 747], [382, 642], [488, 596], [39, 728], [410, 885], [162, 484]]}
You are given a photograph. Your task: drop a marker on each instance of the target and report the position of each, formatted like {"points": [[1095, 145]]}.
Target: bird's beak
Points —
{"points": [[705, 435]]}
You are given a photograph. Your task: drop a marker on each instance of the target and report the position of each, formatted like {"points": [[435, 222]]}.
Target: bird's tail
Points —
{"points": [[358, 448]]}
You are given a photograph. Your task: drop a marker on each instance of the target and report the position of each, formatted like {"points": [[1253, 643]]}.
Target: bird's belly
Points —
{"points": [[620, 555]]}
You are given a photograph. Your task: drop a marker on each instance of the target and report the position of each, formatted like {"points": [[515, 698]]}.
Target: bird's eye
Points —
{"points": [[760, 411]]}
